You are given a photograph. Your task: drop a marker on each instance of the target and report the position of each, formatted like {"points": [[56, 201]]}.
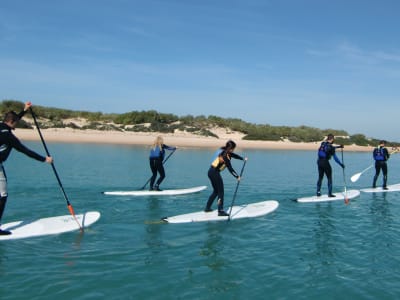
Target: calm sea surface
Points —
{"points": [[301, 251]]}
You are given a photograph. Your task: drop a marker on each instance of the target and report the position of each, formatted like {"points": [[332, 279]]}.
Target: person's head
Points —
{"points": [[382, 143], [330, 138], [158, 141], [11, 119], [230, 145]]}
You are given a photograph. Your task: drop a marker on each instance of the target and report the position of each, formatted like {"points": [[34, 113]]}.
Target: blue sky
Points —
{"points": [[320, 63]]}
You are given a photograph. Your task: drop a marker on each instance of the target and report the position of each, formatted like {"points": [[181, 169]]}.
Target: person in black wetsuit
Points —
{"points": [[8, 141], [221, 160], [325, 152], [381, 155], [156, 159]]}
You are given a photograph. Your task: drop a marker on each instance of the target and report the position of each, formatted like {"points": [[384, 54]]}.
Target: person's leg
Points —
{"points": [[384, 173], [328, 172], [3, 197], [320, 177], [153, 169], [161, 172], [213, 176], [377, 171]]}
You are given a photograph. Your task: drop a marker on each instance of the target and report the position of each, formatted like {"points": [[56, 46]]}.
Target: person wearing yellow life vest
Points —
{"points": [[220, 161], [381, 155]]}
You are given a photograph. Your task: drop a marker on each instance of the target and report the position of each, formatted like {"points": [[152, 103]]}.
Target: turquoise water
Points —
{"points": [[301, 251]]}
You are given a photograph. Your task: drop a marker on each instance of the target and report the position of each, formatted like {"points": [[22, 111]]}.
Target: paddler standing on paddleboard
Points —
{"points": [[220, 161], [8, 141], [381, 155], [156, 159], [325, 151]]}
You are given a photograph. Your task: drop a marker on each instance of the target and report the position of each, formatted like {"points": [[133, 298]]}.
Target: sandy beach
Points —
{"points": [[181, 139]]}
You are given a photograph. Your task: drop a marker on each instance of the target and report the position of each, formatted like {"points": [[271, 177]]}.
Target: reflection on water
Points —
{"points": [[213, 248], [324, 235]]}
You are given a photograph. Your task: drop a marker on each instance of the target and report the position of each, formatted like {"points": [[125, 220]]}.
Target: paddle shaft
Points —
{"points": [[236, 189], [70, 208], [165, 160], [346, 200]]}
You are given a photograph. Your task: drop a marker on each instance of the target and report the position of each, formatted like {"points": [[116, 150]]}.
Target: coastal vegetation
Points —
{"points": [[153, 121]]}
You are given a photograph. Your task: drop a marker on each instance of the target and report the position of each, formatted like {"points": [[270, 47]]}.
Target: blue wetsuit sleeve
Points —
{"points": [[168, 147], [337, 160]]}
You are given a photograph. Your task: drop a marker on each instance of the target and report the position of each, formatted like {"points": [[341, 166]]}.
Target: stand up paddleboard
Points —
{"points": [[48, 226], [390, 188], [251, 210], [157, 193], [350, 194]]}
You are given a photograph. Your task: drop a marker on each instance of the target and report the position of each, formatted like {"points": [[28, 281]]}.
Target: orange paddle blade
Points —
{"points": [[71, 209]]}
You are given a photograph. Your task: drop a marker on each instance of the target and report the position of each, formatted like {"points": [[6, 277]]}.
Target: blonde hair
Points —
{"points": [[158, 142]]}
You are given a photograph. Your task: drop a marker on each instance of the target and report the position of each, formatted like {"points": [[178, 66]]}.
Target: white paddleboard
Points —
{"points": [[350, 194], [251, 210], [48, 226], [157, 193], [391, 188]]}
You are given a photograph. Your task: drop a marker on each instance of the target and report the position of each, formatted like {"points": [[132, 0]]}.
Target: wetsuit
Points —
{"points": [[381, 155], [156, 165], [8, 141], [222, 160], [325, 152]]}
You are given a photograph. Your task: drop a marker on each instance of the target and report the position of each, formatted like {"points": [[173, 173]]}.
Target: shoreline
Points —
{"points": [[183, 140]]}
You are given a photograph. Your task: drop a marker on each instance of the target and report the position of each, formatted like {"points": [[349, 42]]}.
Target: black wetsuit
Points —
{"points": [[8, 141], [221, 160], [325, 152], [381, 155], [156, 165]]}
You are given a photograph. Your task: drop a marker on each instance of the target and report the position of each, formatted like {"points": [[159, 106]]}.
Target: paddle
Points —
{"points": [[237, 186], [346, 199], [356, 176], [165, 160], [70, 208]]}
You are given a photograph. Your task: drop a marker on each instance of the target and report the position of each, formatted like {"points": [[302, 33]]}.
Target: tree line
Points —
{"points": [[153, 121]]}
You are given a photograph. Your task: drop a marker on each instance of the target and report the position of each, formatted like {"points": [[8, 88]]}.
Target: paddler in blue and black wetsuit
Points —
{"points": [[8, 141], [156, 159], [325, 152], [221, 160], [381, 155]]}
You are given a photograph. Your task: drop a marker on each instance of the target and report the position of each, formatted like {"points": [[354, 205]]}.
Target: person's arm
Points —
{"points": [[169, 148], [27, 106], [387, 154], [228, 165], [236, 156], [337, 160], [16, 144]]}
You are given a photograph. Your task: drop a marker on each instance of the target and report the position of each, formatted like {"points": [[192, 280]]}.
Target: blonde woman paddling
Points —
{"points": [[156, 158]]}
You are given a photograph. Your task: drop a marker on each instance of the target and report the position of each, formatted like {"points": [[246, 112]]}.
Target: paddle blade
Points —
{"points": [[71, 209], [346, 200], [355, 177]]}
